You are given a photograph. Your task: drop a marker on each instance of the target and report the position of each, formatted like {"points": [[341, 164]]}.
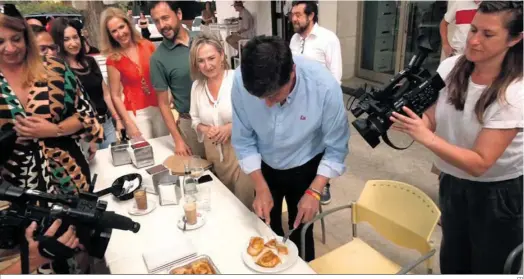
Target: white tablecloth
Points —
{"points": [[229, 224]]}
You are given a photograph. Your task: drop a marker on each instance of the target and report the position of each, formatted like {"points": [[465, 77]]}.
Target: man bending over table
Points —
{"points": [[290, 132]]}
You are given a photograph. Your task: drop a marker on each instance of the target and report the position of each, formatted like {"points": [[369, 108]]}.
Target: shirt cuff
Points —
{"points": [[330, 169], [251, 163]]}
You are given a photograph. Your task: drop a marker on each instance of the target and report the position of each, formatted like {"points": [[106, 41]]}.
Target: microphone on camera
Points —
{"points": [[112, 220]]}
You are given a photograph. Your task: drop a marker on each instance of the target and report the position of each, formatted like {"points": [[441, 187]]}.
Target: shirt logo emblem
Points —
{"points": [[302, 117]]}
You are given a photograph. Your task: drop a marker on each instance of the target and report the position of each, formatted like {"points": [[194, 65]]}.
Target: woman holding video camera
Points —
{"points": [[475, 129]]}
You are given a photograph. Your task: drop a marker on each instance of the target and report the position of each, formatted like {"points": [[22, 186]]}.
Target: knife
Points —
{"points": [[262, 228]]}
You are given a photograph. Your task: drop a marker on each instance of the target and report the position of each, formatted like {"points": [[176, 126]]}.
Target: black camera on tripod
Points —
{"points": [[413, 87]]}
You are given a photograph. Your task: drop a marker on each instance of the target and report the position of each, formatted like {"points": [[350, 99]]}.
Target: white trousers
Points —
{"points": [[149, 122]]}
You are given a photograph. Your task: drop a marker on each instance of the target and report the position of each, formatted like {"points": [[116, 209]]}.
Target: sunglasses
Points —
{"points": [[45, 48], [10, 10]]}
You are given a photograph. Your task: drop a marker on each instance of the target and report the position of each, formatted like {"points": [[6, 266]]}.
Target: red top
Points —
{"points": [[135, 97]]}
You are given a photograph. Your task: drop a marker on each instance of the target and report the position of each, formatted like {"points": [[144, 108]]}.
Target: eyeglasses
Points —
{"points": [[302, 46], [45, 48], [10, 10]]}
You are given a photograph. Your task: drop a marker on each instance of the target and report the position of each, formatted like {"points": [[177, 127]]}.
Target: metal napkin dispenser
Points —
{"points": [[169, 191], [119, 153], [141, 154], [155, 174]]}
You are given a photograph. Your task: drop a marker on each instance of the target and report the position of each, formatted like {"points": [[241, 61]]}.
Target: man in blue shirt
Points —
{"points": [[290, 132]]}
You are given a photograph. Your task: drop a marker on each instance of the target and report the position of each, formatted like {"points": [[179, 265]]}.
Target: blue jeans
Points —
{"points": [[109, 134]]}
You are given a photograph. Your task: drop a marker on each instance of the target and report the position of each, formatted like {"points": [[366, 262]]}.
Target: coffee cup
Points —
{"points": [[140, 198], [190, 211]]}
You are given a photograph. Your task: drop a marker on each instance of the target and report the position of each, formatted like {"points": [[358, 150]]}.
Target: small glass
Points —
{"points": [[140, 198], [204, 196], [190, 209], [195, 166]]}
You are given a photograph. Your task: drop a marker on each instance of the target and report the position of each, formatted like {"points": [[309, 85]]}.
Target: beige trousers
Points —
{"points": [[229, 172], [190, 137]]}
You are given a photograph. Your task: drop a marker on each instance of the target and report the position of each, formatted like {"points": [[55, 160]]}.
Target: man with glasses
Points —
{"points": [[290, 132], [316, 43], [45, 42]]}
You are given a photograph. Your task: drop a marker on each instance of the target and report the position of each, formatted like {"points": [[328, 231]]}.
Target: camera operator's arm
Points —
{"points": [[69, 239], [489, 145], [429, 118]]}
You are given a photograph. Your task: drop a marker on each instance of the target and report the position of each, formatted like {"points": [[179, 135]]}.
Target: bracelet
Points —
{"points": [[313, 194], [315, 190]]}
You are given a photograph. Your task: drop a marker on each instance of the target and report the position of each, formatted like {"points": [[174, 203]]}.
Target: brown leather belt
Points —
{"points": [[184, 115]]}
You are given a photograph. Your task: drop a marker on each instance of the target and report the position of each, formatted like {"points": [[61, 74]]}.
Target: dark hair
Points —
{"points": [[58, 28], [511, 68], [311, 7], [174, 5], [266, 65], [37, 29]]}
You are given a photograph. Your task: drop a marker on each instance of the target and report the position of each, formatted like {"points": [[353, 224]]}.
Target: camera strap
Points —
{"points": [[385, 138], [53, 249]]}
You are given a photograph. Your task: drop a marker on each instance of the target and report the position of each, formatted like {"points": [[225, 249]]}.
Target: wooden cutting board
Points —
{"points": [[175, 164]]}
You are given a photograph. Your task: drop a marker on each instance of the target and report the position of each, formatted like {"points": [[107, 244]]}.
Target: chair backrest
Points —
{"points": [[400, 212]]}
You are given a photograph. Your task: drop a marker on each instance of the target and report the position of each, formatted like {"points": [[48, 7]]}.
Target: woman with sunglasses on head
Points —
{"points": [[128, 66], [43, 102], [72, 49], [475, 129], [44, 41]]}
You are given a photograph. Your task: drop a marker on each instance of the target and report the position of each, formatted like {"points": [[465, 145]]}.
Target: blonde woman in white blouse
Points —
{"points": [[211, 113]]}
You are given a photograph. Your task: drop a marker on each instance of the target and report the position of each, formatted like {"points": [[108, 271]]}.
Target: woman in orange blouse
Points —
{"points": [[128, 66]]}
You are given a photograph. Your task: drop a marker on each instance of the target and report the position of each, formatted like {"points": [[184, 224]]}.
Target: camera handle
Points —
{"points": [[385, 138]]}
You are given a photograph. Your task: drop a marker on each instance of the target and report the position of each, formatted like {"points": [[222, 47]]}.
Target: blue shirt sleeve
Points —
{"points": [[243, 137], [335, 130]]}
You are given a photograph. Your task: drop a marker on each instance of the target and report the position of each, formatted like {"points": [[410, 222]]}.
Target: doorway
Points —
{"points": [[389, 32]]}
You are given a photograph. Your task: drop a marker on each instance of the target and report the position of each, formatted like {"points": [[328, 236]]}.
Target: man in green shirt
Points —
{"points": [[169, 67]]}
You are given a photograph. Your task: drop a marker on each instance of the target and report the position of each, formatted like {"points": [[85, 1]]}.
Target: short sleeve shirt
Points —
{"points": [[170, 70], [462, 128]]}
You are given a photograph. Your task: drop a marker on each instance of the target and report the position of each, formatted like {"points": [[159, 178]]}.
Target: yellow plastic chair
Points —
{"points": [[322, 223], [400, 212]]}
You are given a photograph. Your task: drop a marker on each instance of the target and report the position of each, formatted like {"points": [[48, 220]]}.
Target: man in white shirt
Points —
{"points": [[460, 13], [246, 26], [317, 43], [313, 40]]}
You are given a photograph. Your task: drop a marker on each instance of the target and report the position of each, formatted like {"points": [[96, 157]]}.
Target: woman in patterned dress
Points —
{"points": [[46, 106], [43, 102]]}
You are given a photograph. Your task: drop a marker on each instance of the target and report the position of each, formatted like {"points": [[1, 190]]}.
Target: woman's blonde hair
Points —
{"points": [[33, 65], [108, 45], [204, 38]]}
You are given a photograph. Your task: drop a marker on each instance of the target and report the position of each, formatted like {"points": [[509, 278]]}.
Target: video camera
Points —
{"points": [[84, 211], [93, 223], [413, 87]]}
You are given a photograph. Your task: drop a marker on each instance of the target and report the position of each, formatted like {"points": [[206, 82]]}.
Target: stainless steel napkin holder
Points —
{"points": [[154, 176], [141, 154], [169, 191], [119, 153]]}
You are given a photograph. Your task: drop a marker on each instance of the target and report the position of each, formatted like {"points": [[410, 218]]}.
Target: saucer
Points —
{"points": [[151, 205], [201, 220]]}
